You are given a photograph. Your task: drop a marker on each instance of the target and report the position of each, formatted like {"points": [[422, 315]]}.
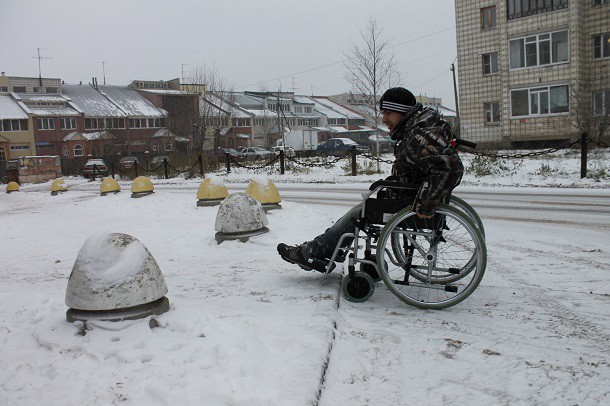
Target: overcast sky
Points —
{"points": [[275, 42]]}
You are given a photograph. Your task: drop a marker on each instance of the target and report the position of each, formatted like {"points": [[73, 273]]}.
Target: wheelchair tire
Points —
{"points": [[359, 288], [469, 211], [431, 267]]}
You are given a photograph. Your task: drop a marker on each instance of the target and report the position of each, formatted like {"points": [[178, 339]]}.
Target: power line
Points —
{"points": [[339, 62]]}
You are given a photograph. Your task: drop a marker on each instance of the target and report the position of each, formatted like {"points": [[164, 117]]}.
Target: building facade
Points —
{"points": [[533, 72]]}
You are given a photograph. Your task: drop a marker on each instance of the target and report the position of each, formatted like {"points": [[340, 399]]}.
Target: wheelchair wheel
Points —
{"points": [[469, 211], [359, 288], [431, 263]]}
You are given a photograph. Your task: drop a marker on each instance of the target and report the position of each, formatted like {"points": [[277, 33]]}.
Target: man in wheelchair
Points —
{"points": [[424, 157]]}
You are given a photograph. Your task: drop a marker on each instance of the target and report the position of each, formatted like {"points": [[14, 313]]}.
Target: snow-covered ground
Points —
{"points": [[246, 328]]}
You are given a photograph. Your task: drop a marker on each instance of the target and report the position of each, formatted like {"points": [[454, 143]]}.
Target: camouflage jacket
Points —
{"points": [[424, 156]]}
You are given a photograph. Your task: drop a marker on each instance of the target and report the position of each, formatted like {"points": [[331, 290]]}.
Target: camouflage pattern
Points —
{"points": [[424, 156]]}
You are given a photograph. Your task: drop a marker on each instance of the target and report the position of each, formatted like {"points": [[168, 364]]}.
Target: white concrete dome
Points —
{"points": [[114, 271], [240, 213]]}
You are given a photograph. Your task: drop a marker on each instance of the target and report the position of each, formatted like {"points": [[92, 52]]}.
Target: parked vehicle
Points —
{"points": [[255, 153], [128, 162], [95, 167], [339, 147], [300, 140], [288, 151], [158, 160], [233, 153]]}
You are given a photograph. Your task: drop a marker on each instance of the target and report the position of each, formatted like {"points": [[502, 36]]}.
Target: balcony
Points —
{"points": [[524, 8]]}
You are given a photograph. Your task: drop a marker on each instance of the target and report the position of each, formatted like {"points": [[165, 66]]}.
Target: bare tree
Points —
{"points": [[371, 67], [216, 98]]}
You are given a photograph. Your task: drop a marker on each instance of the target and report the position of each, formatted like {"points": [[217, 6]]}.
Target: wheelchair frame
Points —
{"points": [[428, 263]]}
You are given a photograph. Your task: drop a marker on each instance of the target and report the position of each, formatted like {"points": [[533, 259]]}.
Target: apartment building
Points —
{"points": [[533, 72]]}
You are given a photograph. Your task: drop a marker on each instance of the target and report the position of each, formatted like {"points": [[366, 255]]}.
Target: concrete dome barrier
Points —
{"points": [[240, 217], [109, 185], [265, 192], [58, 186], [12, 187], [115, 278], [141, 186], [211, 192]]}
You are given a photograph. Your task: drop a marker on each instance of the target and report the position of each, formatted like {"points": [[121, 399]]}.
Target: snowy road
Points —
{"points": [[247, 328]]}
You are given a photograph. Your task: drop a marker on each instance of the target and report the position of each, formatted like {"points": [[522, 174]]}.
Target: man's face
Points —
{"points": [[391, 118]]}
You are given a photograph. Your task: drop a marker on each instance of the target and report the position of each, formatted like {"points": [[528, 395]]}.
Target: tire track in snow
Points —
{"points": [[580, 327]]}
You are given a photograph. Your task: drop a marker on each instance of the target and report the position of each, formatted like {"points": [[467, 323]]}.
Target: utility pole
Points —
{"points": [[104, 72], [39, 59], [455, 94]]}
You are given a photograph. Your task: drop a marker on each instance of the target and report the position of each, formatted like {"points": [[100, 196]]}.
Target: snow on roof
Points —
{"points": [[9, 109], [46, 98], [337, 129], [53, 111], [164, 132], [167, 91], [324, 110], [303, 100], [338, 108], [132, 102], [99, 135], [92, 102]]}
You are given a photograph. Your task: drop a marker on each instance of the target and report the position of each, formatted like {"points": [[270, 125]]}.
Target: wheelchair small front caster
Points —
{"points": [[358, 288]]}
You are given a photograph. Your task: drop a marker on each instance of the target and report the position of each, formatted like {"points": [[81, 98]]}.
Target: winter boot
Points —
{"points": [[294, 255]]}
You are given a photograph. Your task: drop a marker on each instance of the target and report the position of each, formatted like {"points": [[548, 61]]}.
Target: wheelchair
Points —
{"points": [[427, 263]]}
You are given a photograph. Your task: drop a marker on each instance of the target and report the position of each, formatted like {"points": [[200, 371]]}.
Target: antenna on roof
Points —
{"points": [[39, 59], [104, 71], [183, 65]]}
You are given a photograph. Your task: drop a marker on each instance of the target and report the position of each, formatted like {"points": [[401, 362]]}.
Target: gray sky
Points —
{"points": [[248, 41]]}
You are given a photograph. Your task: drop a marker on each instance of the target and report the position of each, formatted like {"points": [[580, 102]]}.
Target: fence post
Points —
{"points": [[282, 167], [228, 161], [165, 168], [200, 159], [135, 166], [354, 170], [583, 155], [112, 169], [94, 171]]}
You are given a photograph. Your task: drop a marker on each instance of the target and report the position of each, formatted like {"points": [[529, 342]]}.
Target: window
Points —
{"points": [[93, 123], [492, 112], [14, 125], [524, 8], [168, 146], [541, 49], [51, 90], [601, 46], [490, 63], [601, 103], [19, 147], [19, 89], [46, 124], [78, 150], [2, 154], [4, 89], [155, 147], [115, 123], [35, 89], [68, 123], [241, 122], [599, 2], [537, 101], [488, 17]]}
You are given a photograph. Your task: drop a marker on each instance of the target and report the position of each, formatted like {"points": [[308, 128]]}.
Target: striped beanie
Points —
{"points": [[397, 99]]}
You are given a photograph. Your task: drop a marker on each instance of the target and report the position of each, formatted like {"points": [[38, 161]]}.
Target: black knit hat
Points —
{"points": [[397, 99]]}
